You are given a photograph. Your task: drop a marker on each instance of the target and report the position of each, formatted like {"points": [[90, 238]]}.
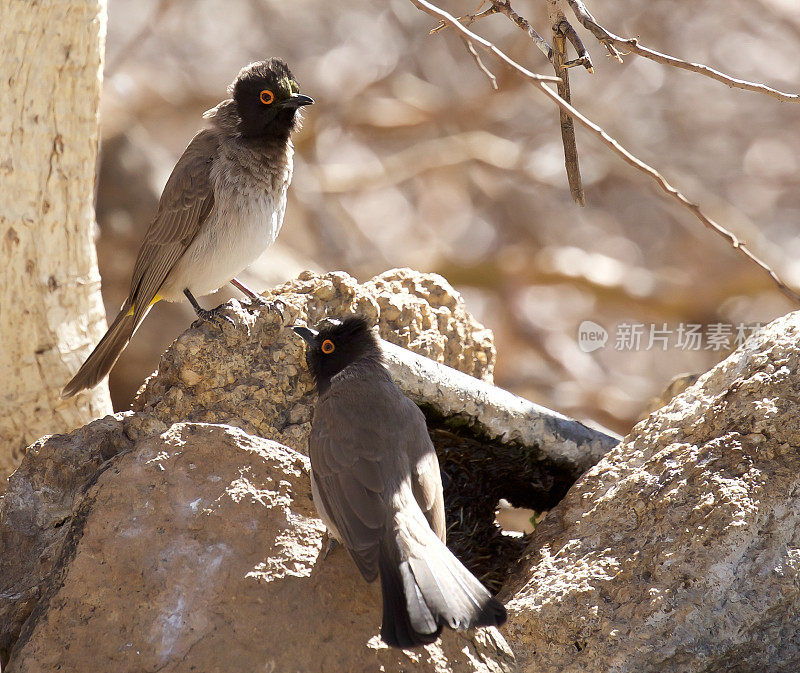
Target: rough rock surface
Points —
{"points": [[233, 378], [679, 551], [196, 550], [40, 499], [101, 547]]}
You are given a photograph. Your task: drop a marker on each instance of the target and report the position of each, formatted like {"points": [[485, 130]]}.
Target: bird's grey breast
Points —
{"points": [[249, 205], [250, 189]]}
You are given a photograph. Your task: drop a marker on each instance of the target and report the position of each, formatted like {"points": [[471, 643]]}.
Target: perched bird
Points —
{"points": [[377, 487], [222, 207]]}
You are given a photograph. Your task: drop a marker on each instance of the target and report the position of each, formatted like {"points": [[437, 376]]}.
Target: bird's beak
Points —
{"points": [[310, 335], [297, 100]]}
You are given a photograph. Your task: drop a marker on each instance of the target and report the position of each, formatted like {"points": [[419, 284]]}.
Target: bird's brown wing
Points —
{"points": [[186, 202], [359, 453]]}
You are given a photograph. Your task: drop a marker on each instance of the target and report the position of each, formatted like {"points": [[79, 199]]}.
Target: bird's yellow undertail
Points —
{"points": [[155, 300]]}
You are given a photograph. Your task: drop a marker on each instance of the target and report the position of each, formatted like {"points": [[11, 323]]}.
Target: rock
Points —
{"points": [[41, 498], [196, 550], [98, 529], [674, 388], [423, 313], [236, 376], [678, 552], [254, 377]]}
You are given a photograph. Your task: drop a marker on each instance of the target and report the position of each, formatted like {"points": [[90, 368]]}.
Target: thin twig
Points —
{"points": [[609, 39], [467, 19], [584, 59], [483, 43], [504, 7], [629, 158], [589, 22], [665, 59], [567, 125], [637, 163], [481, 66]]}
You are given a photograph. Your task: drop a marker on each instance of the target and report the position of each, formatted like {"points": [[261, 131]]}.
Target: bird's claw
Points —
{"points": [[272, 305], [256, 301], [276, 306], [328, 545], [214, 315]]}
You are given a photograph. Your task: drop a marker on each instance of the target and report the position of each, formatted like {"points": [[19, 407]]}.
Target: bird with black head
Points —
{"points": [[377, 487], [222, 206]]}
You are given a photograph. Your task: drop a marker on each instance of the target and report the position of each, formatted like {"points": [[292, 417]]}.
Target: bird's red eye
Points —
{"points": [[267, 96], [328, 347]]}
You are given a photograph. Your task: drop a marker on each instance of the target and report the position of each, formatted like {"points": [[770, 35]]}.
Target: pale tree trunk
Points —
{"points": [[51, 311]]}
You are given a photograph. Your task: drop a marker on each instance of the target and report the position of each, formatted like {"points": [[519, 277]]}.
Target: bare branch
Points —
{"points": [[481, 66], [539, 82], [609, 39], [739, 246], [588, 21], [584, 58], [467, 19], [449, 19], [567, 125], [504, 7]]}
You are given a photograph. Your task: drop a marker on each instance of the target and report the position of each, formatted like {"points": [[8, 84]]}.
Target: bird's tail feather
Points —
{"points": [[105, 354], [429, 590]]}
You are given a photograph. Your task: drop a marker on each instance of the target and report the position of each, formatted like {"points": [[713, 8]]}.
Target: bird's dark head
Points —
{"points": [[336, 345], [267, 99]]}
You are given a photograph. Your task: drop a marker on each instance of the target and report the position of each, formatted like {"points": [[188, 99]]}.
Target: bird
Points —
{"points": [[222, 206], [377, 487]]}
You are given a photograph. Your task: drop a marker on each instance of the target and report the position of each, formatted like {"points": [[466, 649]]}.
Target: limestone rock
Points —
{"points": [[41, 497], [196, 550], [679, 551], [101, 546], [240, 376], [422, 312]]}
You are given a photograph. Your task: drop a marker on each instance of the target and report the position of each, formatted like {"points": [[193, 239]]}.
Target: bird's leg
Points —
{"points": [[256, 299], [205, 315]]}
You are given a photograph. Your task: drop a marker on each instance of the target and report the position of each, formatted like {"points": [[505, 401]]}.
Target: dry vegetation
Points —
{"points": [[411, 158]]}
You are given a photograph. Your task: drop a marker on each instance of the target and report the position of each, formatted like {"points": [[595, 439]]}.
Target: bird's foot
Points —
{"points": [[275, 306], [328, 545], [214, 315]]}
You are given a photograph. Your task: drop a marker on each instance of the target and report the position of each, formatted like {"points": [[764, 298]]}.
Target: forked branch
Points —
{"points": [[539, 82], [610, 41]]}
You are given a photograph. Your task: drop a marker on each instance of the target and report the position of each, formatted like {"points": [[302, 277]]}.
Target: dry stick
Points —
{"points": [[481, 66], [629, 158], [609, 39], [567, 125], [584, 58], [433, 10], [504, 7], [467, 19], [589, 22]]}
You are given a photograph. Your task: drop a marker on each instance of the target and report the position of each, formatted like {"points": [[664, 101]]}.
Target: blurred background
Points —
{"points": [[410, 159]]}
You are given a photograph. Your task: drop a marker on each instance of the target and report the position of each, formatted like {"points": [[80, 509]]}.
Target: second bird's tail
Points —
{"points": [[428, 590], [105, 354]]}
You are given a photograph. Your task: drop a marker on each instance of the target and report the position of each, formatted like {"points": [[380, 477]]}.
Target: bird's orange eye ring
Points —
{"points": [[266, 96], [328, 347]]}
